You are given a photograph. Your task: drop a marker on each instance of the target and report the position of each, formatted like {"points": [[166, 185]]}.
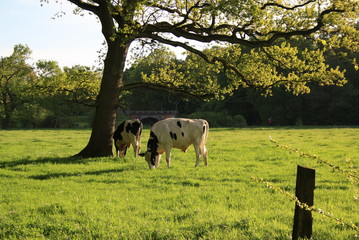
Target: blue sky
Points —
{"points": [[69, 40]]}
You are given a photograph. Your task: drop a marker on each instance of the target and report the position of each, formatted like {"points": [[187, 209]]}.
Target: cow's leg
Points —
{"points": [[168, 157], [158, 159], [205, 155], [117, 148], [198, 153], [136, 148], [197, 160], [124, 151], [136, 145]]}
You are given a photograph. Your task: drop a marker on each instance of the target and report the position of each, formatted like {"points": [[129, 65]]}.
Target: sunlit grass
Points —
{"points": [[46, 195]]}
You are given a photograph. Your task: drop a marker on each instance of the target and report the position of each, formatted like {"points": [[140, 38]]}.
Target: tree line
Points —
{"points": [[321, 105], [44, 95]]}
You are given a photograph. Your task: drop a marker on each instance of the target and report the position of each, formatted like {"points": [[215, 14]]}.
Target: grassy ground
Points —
{"points": [[46, 195]]}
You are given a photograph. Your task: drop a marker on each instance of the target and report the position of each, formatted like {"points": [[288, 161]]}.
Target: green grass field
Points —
{"points": [[46, 195]]}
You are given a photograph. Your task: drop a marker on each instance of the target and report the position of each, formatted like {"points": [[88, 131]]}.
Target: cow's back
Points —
{"points": [[127, 131], [180, 132]]}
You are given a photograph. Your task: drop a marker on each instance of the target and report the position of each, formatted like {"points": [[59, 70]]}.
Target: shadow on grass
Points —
{"points": [[68, 160], [28, 161], [62, 175]]}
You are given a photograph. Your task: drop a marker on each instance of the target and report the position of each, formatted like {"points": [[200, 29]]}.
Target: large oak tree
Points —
{"points": [[260, 26]]}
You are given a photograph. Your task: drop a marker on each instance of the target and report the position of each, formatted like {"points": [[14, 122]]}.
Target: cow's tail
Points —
{"points": [[138, 135], [204, 137], [139, 130]]}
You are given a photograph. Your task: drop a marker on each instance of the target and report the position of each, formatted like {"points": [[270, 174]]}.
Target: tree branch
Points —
{"points": [[210, 60], [284, 7], [192, 32], [89, 7], [173, 90], [309, 31]]}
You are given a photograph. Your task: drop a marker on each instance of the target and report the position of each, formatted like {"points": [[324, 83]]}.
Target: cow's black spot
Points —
{"points": [[128, 127], [173, 135], [153, 135], [182, 134], [179, 124], [134, 128], [152, 145], [153, 158], [117, 134]]}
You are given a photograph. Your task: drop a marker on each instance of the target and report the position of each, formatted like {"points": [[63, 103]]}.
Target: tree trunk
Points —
{"points": [[100, 143], [8, 109]]}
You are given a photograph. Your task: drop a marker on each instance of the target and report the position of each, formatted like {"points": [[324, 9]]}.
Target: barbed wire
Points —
{"points": [[350, 173], [306, 207]]}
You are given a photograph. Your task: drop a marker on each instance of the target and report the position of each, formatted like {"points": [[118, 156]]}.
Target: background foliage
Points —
{"points": [[320, 105], [45, 95]]}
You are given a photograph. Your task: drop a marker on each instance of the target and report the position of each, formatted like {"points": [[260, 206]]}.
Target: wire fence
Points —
{"points": [[351, 175], [305, 206]]}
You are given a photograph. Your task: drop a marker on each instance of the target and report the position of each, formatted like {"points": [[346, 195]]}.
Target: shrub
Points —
{"points": [[239, 121]]}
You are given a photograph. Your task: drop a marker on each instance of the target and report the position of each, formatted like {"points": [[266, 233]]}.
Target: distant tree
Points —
{"points": [[137, 99], [40, 95], [256, 24], [16, 76], [78, 84], [81, 85], [67, 92]]}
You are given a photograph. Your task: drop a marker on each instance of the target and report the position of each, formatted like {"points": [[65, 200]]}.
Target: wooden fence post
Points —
{"points": [[304, 191]]}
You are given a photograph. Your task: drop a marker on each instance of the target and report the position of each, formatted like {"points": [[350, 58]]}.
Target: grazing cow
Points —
{"points": [[176, 133], [128, 133]]}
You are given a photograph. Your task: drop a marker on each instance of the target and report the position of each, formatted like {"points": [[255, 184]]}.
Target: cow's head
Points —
{"points": [[151, 155], [151, 158]]}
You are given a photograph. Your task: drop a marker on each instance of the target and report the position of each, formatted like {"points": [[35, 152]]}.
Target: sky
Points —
{"points": [[70, 40]]}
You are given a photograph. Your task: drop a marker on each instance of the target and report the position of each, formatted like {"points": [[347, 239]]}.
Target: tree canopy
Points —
{"points": [[259, 26], [252, 39], [330, 105]]}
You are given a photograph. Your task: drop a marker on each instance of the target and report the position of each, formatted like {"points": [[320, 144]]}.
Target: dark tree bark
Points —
{"points": [[100, 143]]}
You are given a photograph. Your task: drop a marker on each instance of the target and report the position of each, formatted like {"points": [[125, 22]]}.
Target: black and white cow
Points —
{"points": [[176, 133], [128, 133]]}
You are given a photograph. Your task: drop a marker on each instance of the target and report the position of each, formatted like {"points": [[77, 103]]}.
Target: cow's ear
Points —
{"points": [[141, 154]]}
